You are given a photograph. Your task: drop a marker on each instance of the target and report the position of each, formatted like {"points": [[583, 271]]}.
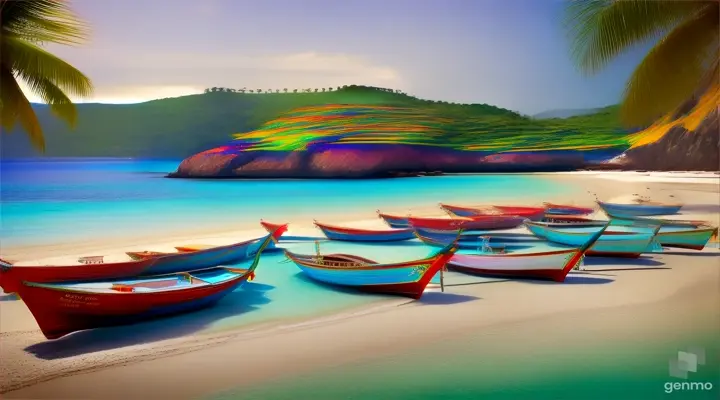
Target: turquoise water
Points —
{"points": [[44, 202], [58, 201]]}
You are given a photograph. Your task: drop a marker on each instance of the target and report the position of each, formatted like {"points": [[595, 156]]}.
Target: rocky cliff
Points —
{"points": [[689, 140]]}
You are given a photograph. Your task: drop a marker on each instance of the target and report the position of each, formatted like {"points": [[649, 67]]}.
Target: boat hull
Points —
{"points": [[625, 245], [365, 235], [695, 239], [11, 277], [639, 210], [551, 265], [60, 312], [395, 221], [407, 279], [668, 236], [531, 213], [467, 224]]}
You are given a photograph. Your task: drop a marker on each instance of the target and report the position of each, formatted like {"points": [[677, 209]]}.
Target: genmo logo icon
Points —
{"points": [[681, 367]]}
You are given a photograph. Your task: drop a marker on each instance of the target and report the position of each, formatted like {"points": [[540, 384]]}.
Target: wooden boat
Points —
{"points": [[95, 268], [394, 221], [643, 208], [63, 308], [562, 209], [404, 278], [191, 257], [553, 265], [610, 243], [685, 237], [364, 235], [484, 222], [532, 213]]}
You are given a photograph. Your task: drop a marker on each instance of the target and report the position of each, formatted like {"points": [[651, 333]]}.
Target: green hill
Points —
{"points": [[180, 127]]}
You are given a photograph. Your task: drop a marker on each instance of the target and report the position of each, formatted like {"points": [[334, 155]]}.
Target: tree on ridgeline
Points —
{"points": [[258, 90], [316, 90], [684, 63], [294, 90], [285, 90], [25, 27], [242, 90], [207, 90]]}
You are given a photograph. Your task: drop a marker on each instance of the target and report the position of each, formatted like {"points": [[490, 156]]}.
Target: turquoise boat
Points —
{"points": [[610, 244], [684, 237], [405, 278], [644, 208]]}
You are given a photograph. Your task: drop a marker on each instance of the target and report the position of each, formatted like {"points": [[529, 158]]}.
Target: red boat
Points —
{"points": [[143, 263], [63, 308], [11, 276], [532, 213], [481, 222]]}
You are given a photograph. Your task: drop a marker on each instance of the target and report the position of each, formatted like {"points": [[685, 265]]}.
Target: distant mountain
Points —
{"points": [[566, 113]]}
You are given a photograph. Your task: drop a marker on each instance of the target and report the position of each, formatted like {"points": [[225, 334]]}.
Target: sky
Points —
{"points": [[509, 53]]}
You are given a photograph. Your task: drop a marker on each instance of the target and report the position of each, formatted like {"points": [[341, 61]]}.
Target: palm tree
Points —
{"points": [[24, 27], [682, 64]]}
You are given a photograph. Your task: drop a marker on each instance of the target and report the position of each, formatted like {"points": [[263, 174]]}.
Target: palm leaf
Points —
{"points": [[674, 69], [42, 21], [32, 63], [600, 30], [15, 106]]}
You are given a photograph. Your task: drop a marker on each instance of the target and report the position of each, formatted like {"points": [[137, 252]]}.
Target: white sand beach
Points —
{"points": [[206, 362]]}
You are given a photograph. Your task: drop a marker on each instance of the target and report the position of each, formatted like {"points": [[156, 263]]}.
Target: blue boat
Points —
{"points": [[364, 235], [192, 257], [640, 209], [611, 244], [394, 221], [685, 237], [404, 278]]}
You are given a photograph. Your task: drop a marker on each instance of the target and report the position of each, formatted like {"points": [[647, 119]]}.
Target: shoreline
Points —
{"points": [[226, 234], [23, 370]]}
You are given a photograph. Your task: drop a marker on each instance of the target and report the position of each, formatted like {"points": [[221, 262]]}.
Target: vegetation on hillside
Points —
{"points": [[683, 64], [24, 27], [335, 124]]}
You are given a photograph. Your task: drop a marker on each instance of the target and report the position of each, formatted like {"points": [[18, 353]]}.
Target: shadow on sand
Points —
{"points": [[245, 299], [691, 253], [438, 298], [630, 262]]}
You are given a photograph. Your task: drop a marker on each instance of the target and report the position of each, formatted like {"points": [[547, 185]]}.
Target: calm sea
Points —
{"points": [[60, 201], [44, 202]]}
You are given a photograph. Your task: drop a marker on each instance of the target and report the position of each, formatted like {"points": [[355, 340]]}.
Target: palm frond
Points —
{"points": [[15, 106], [600, 30], [33, 64], [42, 21], [674, 69]]}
